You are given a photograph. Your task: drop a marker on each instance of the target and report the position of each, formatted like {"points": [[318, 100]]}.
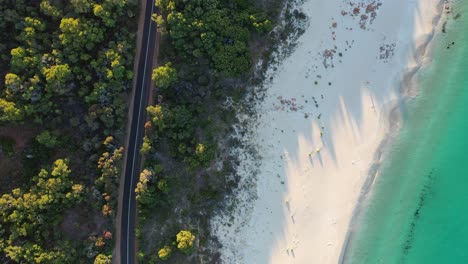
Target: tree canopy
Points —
{"points": [[66, 70], [185, 241], [26, 214], [164, 76]]}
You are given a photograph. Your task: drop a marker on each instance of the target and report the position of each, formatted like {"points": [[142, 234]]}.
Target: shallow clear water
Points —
{"points": [[418, 209]]}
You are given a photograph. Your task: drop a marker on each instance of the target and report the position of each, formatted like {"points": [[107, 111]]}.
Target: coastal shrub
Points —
{"points": [[145, 190], [203, 153], [47, 139], [260, 23], [9, 111], [158, 168], [177, 124], [146, 146], [158, 116], [202, 156], [185, 241], [103, 259], [163, 186], [140, 256], [164, 76], [165, 253]]}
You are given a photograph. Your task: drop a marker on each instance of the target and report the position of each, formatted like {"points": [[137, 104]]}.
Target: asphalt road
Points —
{"points": [[132, 169]]}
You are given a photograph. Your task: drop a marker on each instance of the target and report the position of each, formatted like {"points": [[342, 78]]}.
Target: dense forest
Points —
{"points": [[207, 56], [66, 70]]}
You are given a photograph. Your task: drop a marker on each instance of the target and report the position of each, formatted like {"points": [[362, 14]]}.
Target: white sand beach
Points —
{"points": [[319, 140]]}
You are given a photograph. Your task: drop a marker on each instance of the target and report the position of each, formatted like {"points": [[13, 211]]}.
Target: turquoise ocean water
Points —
{"points": [[418, 209]]}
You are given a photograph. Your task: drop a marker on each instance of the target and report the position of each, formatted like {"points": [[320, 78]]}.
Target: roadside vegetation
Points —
{"points": [[207, 57], [66, 68]]}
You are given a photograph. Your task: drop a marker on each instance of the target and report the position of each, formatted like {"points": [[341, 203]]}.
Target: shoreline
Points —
{"points": [[408, 86], [245, 234]]}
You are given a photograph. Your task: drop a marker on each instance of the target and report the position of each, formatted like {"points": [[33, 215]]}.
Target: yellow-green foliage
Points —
{"points": [[26, 214], [103, 259], [185, 241], [67, 67], [146, 146], [164, 76], [165, 253], [49, 9], [144, 192], [200, 150], [47, 139], [157, 115], [9, 112], [163, 186]]}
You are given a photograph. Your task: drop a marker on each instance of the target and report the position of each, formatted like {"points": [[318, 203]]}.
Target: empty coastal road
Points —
{"points": [[133, 159]]}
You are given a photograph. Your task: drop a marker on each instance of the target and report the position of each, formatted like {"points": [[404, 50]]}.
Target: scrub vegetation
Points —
{"points": [[207, 55]]}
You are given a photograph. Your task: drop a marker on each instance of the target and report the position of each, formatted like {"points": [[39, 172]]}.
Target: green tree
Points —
{"points": [[163, 186], [103, 259], [31, 214], [145, 191], [164, 76], [12, 83], [146, 146], [49, 9], [18, 62], [103, 11], [32, 27], [47, 139], [203, 155], [82, 6], [185, 241], [165, 253], [116, 70], [157, 115], [34, 253], [9, 111], [56, 77], [79, 35], [110, 164], [71, 31], [216, 30]]}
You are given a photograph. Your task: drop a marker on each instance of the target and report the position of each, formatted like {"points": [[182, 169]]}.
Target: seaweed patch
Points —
{"points": [[417, 213]]}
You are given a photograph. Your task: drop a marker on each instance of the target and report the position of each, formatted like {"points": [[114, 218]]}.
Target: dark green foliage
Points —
{"points": [[216, 30], [163, 186], [177, 124], [7, 146], [27, 216], [54, 61], [66, 67], [205, 54], [47, 139]]}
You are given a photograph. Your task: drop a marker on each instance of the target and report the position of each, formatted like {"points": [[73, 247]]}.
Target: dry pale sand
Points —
{"points": [[318, 141]]}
